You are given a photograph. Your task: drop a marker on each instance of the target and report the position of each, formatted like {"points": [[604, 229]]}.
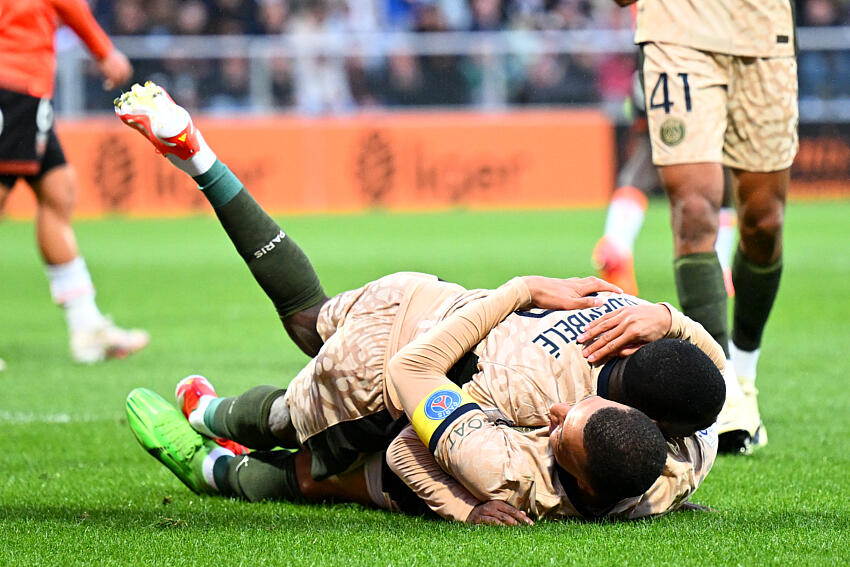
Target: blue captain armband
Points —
{"points": [[438, 411]]}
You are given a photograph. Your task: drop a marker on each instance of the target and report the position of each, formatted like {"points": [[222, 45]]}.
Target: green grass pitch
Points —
{"points": [[76, 488]]}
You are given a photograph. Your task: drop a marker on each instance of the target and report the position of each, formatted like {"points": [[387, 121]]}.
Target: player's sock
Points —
{"points": [[625, 217], [745, 362], [730, 377], [244, 418], [725, 237], [71, 287], [261, 475], [724, 244], [756, 287], [276, 261], [702, 296]]}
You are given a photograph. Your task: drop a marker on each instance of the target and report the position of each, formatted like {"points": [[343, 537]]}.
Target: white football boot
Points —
{"points": [[105, 340], [168, 126]]}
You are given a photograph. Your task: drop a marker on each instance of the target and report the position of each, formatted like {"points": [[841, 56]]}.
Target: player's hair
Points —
{"points": [[626, 452], [673, 381]]}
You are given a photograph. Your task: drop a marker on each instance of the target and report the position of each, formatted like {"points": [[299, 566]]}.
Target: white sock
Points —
{"points": [[71, 288], [209, 463], [196, 417], [733, 388], [625, 217], [726, 237], [199, 163], [744, 361]]}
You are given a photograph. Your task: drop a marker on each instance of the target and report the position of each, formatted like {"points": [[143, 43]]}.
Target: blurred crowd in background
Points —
{"points": [[321, 85]]}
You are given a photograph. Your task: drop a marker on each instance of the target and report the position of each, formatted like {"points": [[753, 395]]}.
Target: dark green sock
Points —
{"points": [[261, 475], [276, 261], [702, 296], [245, 418], [755, 291]]}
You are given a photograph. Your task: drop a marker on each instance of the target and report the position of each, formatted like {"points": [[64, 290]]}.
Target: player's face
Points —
{"points": [[566, 433]]}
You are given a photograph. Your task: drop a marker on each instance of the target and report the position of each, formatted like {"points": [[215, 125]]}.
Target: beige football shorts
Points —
{"points": [[713, 107]]}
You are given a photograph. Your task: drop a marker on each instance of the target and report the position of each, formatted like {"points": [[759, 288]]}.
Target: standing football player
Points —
{"points": [[30, 149], [613, 255], [720, 82]]}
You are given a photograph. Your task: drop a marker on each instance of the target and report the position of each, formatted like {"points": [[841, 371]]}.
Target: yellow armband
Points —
{"points": [[438, 410]]}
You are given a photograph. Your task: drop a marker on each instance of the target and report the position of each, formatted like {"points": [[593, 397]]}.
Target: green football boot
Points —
{"points": [[166, 434]]}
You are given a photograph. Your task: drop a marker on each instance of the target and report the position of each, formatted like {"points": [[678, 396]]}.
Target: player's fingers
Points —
{"points": [[593, 330], [596, 328], [610, 347], [593, 284], [518, 515], [495, 518], [568, 303]]}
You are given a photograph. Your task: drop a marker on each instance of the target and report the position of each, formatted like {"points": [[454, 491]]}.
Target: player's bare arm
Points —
{"points": [[116, 69], [566, 294], [622, 332]]}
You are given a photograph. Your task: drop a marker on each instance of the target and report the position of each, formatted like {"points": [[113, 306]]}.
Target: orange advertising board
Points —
{"points": [[395, 161]]}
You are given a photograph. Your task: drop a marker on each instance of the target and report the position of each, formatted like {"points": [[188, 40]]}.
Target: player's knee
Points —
{"points": [[695, 219], [761, 236]]}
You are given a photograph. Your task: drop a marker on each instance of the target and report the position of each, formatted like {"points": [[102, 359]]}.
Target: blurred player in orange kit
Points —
{"points": [[30, 149]]}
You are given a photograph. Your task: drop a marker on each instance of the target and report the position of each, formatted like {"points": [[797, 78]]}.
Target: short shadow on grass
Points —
{"points": [[210, 514]]}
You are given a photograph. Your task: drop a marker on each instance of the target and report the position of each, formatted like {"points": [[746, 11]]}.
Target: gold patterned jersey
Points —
{"points": [[753, 28], [531, 360], [500, 450], [362, 329]]}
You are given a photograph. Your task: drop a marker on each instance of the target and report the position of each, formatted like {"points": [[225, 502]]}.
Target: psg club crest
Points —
{"points": [[441, 403]]}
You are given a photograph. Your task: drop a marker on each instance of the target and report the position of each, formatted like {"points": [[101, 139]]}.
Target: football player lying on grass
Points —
{"points": [[355, 334]]}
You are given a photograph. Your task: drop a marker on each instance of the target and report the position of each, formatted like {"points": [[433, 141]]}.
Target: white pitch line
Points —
{"points": [[24, 418]]}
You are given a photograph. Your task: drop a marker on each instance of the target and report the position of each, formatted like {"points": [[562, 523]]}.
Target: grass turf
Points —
{"points": [[77, 488]]}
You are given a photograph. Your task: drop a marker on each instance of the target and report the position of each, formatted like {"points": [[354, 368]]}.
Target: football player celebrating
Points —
{"points": [[354, 336]]}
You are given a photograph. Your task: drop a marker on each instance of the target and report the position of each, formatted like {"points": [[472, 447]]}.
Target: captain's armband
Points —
{"points": [[438, 411]]}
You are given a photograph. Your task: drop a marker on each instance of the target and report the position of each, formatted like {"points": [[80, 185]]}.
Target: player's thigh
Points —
{"points": [[685, 103], [55, 191], [762, 132]]}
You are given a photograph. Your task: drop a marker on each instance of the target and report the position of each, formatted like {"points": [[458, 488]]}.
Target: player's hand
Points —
{"points": [[571, 293], [498, 513], [116, 69], [623, 332]]}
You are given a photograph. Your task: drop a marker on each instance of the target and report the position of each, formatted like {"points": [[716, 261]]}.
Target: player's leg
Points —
{"points": [[756, 273], [760, 146], [93, 337], [614, 253], [258, 418], [726, 232], [207, 468], [757, 266], [277, 263], [695, 192]]}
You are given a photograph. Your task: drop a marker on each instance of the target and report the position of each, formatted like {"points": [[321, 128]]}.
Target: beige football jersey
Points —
{"points": [[361, 330], [754, 28], [528, 362], [531, 360]]}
